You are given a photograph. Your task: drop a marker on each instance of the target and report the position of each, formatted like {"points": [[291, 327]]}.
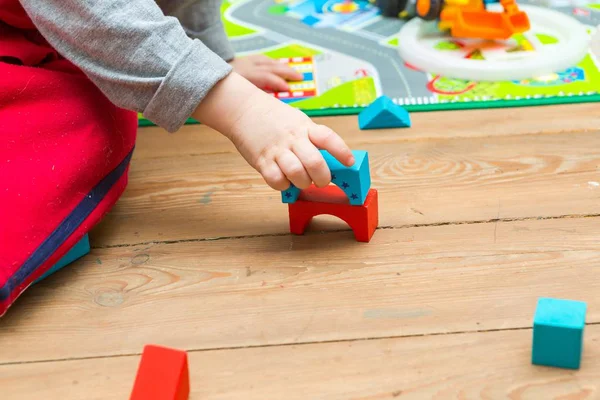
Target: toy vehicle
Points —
{"points": [[470, 19], [392, 8], [465, 18]]}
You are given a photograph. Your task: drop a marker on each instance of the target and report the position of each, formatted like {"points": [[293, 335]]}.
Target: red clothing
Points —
{"points": [[64, 153]]}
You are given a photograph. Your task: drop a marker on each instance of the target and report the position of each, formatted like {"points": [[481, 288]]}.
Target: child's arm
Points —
{"points": [[140, 59], [201, 19], [144, 61]]}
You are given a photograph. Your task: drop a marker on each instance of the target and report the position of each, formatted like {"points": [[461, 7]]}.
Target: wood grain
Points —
{"points": [[419, 182], [200, 140], [319, 287], [483, 212], [493, 365]]}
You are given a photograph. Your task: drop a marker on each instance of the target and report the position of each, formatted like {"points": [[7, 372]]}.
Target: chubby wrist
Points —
{"points": [[226, 102]]}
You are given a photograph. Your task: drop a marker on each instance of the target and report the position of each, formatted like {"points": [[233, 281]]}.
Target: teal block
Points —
{"points": [[79, 250], [355, 181], [290, 195], [384, 113], [558, 333]]}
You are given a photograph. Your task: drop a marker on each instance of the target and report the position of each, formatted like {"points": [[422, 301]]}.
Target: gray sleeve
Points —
{"points": [[201, 19], [140, 59]]}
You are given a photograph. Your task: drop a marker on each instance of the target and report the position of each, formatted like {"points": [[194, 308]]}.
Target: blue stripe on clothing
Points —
{"points": [[67, 227]]}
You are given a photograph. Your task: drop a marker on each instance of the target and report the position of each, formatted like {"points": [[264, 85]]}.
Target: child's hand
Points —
{"points": [[265, 72], [279, 141]]}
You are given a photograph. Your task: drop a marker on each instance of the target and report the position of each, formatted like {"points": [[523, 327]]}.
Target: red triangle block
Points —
{"points": [[162, 375]]}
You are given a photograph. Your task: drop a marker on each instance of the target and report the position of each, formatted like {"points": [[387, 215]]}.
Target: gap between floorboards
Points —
{"points": [[524, 328], [385, 227]]}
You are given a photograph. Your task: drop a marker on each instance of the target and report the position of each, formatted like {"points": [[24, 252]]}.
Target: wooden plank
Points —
{"points": [[318, 287], [419, 182], [197, 139], [493, 365]]}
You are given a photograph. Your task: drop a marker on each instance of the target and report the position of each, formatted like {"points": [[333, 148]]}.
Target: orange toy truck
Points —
{"points": [[470, 19], [464, 18]]}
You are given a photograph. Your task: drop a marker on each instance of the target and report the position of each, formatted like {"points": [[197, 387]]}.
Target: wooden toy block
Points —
{"points": [[558, 333], [290, 195], [162, 375], [329, 200], [80, 249], [384, 113], [355, 181]]}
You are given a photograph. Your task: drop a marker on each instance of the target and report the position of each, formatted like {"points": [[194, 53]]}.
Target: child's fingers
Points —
{"points": [[274, 177], [313, 162], [272, 81], [293, 169], [286, 72], [261, 59], [326, 139]]}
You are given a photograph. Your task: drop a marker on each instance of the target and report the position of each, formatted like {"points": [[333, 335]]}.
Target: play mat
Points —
{"points": [[348, 54]]}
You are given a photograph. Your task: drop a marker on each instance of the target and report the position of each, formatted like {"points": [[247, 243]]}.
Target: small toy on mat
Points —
{"points": [[558, 333], [472, 19], [80, 249], [383, 113], [352, 200], [162, 375]]}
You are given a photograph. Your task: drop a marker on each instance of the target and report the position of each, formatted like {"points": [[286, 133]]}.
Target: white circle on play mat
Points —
{"points": [[416, 45]]}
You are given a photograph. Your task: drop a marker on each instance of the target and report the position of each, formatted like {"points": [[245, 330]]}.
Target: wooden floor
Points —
{"points": [[481, 212]]}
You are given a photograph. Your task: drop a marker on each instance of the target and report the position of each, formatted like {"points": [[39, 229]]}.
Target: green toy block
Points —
{"points": [[355, 181], [383, 113], [79, 250], [558, 333]]}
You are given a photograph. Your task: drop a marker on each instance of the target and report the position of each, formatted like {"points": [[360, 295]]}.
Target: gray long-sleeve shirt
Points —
{"points": [[141, 59]]}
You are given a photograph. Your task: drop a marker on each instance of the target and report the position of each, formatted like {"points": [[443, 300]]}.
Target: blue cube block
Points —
{"points": [[79, 250], [558, 333]]}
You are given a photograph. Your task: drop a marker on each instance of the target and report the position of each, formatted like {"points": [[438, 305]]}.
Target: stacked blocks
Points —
{"points": [[383, 113], [355, 181], [162, 375], [356, 203], [315, 201], [558, 333]]}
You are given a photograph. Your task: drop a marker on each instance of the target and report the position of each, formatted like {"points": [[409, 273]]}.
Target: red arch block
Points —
{"points": [[330, 200], [162, 375]]}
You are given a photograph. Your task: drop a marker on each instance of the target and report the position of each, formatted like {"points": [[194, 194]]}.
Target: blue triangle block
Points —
{"points": [[383, 113], [355, 181], [290, 195]]}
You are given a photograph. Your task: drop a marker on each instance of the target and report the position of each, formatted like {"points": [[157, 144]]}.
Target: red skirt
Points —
{"points": [[64, 154]]}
